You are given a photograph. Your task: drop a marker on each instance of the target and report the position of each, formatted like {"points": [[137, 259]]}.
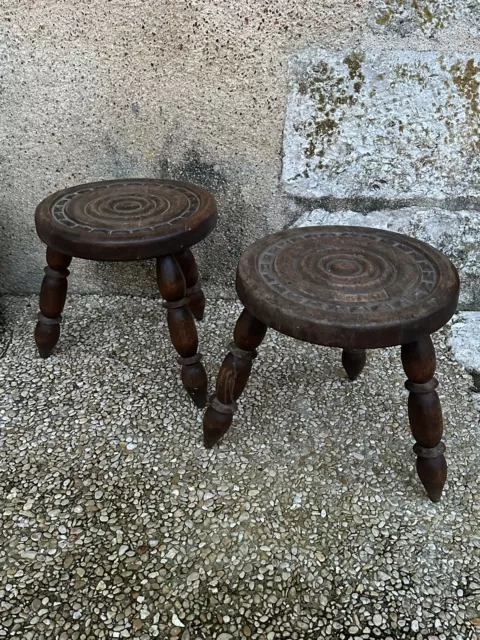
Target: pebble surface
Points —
{"points": [[308, 521]]}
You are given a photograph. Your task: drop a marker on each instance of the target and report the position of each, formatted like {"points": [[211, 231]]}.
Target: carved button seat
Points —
{"points": [[354, 288], [124, 220]]}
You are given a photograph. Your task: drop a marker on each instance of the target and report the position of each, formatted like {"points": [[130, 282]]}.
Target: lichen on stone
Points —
{"points": [[384, 125], [331, 92], [467, 80], [430, 16]]}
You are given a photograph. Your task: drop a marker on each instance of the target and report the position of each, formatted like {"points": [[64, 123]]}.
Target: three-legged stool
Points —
{"points": [[354, 288], [121, 220]]}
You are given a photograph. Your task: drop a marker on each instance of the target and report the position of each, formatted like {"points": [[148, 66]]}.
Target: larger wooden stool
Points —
{"points": [[122, 220], [354, 288]]}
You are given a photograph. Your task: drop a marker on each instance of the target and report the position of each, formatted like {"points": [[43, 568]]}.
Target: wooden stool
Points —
{"points": [[354, 288], [122, 220]]}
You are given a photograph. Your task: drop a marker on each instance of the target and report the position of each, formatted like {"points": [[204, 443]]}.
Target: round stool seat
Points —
{"points": [[126, 219], [349, 287]]}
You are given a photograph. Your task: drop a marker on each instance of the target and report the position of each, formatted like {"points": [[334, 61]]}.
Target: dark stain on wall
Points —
{"points": [[239, 223], [222, 249]]}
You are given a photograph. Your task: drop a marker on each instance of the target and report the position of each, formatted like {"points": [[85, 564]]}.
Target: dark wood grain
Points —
{"points": [[354, 288], [196, 298], [232, 377], [425, 414], [52, 300], [122, 220], [353, 361], [181, 325], [348, 287]]}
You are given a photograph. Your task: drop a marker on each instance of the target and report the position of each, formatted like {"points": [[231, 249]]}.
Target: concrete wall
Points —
{"points": [[195, 90]]}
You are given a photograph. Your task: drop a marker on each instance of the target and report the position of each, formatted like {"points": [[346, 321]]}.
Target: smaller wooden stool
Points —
{"points": [[354, 288], [124, 220]]}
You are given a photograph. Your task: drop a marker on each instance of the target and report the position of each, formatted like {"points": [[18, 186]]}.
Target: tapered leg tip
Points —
{"points": [[199, 398], [353, 362], [215, 426], [435, 496], [197, 305], [434, 492], [195, 381], [46, 337], [212, 437], [433, 475], [198, 313], [43, 350], [210, 440]]}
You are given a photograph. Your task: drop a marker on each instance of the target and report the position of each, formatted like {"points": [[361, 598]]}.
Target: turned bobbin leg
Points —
{"points": [[181, 325], [196, 299], [52, 300], [232, 377], [425, 414], [353, 361]]}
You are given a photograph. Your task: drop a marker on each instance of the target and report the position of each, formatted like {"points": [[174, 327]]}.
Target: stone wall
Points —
{"points": [[389, 137], [362, 125], [381, 99]]}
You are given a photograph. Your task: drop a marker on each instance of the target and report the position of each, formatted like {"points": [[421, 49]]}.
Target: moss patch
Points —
{"points": [[468, 83], [467, 80], [384, 125], [331, 92], [428, 15]]}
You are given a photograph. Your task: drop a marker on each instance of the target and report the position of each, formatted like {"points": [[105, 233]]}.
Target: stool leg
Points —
{"points": [[181, 325], [232, 377], [196, 299], [52, 300], [353, 361], [425, 414]]}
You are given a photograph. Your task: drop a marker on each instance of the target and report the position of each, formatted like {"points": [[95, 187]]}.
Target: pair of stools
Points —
{"points": [[349, 287]]}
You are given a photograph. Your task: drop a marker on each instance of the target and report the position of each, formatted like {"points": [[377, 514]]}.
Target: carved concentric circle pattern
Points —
{"points": [[125, 207], [351, 271]]}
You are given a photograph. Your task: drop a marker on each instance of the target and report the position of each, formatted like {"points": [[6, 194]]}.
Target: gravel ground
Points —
{"points": [[307, 521]]}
